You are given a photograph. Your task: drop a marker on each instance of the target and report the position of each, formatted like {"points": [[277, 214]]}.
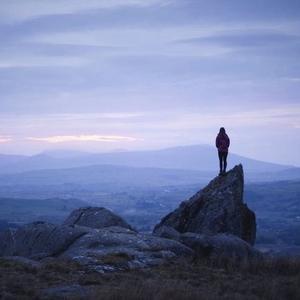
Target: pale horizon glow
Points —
{"points": [[81, 138], [5, 139]]}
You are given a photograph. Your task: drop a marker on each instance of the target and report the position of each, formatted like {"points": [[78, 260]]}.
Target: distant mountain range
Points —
{"points": [[198, 158]]}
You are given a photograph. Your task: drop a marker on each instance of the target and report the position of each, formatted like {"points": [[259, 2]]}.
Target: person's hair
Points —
{"points": [[222, 130]]}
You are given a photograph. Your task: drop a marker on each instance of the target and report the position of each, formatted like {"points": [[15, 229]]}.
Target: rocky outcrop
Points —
{"points": [[105, 249], [95, 217], [218, 208]]}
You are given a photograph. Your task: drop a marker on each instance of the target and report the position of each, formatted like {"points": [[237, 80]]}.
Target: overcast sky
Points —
{"points": [[100, 75]]}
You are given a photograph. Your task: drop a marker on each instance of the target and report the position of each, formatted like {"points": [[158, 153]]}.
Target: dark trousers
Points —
{"points": [[223, 160]]}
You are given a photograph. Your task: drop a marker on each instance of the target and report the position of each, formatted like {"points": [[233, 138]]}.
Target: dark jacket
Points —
{"points": [[222, 142]]}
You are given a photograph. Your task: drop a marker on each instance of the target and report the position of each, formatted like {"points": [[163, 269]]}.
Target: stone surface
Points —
{"points": [[40, 239], [167, 232], [106, 249], [219, 246], [218, 208], [95, 217], [112, 248]]}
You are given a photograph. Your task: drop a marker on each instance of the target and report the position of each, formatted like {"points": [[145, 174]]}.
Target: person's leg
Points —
{"points": [[220, 161], [225, 161]]}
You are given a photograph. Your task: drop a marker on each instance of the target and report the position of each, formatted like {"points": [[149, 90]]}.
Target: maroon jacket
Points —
{"points": [[222, 142]]}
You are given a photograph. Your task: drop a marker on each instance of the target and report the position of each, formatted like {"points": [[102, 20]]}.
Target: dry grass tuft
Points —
{"points": [[119, 258]]}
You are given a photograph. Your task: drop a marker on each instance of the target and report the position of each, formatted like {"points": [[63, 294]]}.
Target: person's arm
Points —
{"points": [[228, 142], [217, 141]]}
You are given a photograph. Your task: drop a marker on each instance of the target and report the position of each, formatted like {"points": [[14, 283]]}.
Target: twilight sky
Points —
{"points": [[100, 75]]}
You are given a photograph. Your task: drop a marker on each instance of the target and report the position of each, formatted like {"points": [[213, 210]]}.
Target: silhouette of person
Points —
{"points": [[222, 144]]}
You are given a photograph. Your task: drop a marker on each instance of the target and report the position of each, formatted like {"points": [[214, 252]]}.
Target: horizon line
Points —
{"points": [[115, 151]]}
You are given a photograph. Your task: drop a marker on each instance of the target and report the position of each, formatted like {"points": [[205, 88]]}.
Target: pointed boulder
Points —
{"points": [[218, 208]]}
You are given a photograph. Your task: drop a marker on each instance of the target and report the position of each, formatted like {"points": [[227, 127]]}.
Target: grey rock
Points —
{"points": [[40, 239], [219, 246], [115, 248], [218, 208], [200, 243], [103, 250], [167, 232], [231, 246], [95, 217]]}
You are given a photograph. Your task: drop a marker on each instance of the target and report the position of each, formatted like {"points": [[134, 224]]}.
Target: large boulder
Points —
{"points": [[39, 240], [95, 217], [218, 208]]}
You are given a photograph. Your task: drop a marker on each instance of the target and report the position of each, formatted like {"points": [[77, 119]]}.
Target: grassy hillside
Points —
{"points": [[181, 279]]}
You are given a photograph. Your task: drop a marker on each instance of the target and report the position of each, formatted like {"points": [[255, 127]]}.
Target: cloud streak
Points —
{"points": [[5, 139], [82, 138], [15, 10], [42, 61], [247, 38]]}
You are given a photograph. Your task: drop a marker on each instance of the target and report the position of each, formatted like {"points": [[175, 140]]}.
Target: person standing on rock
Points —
{"points": [[222, 144]]}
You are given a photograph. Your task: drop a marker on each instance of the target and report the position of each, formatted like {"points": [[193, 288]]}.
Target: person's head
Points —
{"points": [[222, 130]]}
